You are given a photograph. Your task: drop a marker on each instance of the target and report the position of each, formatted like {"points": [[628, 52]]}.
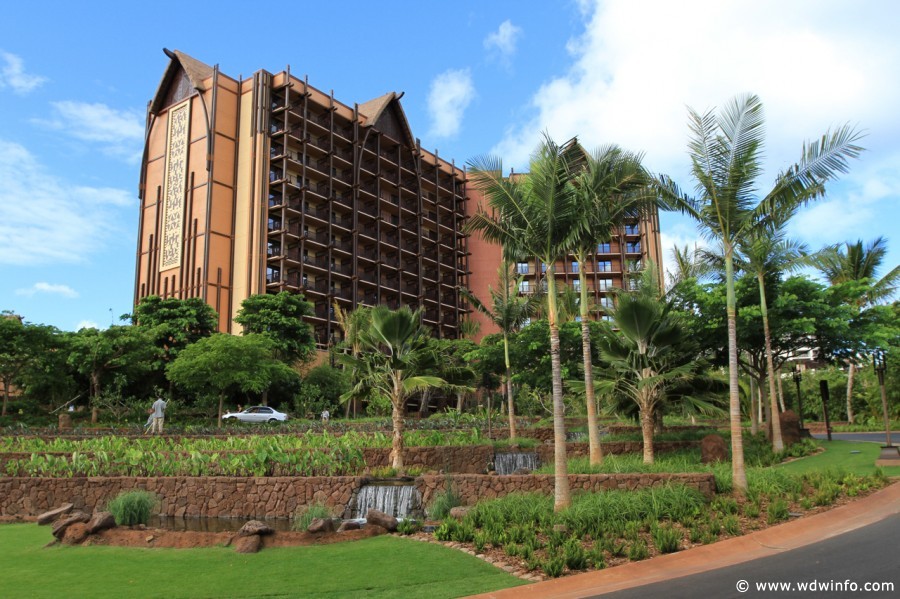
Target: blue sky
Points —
{"points": [[479, 78]]}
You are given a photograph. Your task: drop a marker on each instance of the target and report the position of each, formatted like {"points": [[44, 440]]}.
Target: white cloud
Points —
{"points": [[86, 324], [639, 64], [119, 132], [63, 290], [43, 219], [503, 41], [451, 93], [13, 75]]}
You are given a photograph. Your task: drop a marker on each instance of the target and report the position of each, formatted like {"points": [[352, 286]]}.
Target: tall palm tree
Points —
{"points": [[610, 190], [394, 353], [854, 262], [726, 160], [689, 264], [536, 216], [763, 251], [509, 311]]}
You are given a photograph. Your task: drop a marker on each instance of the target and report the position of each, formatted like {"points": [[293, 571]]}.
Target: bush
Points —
{"points": [[666, 538], [638, 551], [553, 566], [777, 511], [305, 515], [574, 554], [132, 507], [408, 526], [443, 502]]}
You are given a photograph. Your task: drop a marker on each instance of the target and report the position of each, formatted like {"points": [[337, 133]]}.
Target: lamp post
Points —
{"points": [[795, 372], [879, 363]]}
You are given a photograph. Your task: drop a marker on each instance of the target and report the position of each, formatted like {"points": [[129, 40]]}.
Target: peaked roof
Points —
{"points": [[197, 72], [387, 107]]}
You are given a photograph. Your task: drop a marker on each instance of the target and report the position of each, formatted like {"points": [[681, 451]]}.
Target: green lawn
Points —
{"points": [[852, 456], [385, 566]]}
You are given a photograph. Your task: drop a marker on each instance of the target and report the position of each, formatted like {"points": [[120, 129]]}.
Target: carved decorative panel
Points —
{"points": [[174, 185]]}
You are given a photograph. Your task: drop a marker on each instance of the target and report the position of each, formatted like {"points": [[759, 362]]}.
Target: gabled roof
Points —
{"points": [[196, 71], [387, 107]]}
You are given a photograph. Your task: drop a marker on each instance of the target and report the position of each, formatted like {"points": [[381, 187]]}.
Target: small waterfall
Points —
{"points": [[399, 501], [507, 463]]}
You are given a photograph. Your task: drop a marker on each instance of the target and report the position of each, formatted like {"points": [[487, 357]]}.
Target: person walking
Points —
{"points": [[159, 415]]}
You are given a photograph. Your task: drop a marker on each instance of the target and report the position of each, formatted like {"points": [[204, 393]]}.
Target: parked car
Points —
{"points": [[257, 414]]}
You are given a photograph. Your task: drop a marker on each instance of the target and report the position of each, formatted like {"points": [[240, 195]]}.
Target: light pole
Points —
{"points": [[879, 362], [797, 376]]}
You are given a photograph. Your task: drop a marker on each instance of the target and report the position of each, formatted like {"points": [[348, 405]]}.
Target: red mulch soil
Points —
{"points": [[155, 537]]}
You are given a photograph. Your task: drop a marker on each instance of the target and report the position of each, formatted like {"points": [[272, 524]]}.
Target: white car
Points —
{"points": [[257, 414]]}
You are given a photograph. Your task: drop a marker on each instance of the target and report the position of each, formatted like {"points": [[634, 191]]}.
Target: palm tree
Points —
{"points": [[763, 251], [509, 311], [394, 351], [726, 159], [536, 216], [609, 192], [646, 348], [858, 264], [689, 264]]}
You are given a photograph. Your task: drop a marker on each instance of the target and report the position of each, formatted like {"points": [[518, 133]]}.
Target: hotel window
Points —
{"points": [[633, 248], [274, 248], [631, 230], [604, 266], [273, 275], [604, 248], [576, 285], [524, 287], [604, 284], [633, 284], [274, 224], [543, 267], [522, 268], [606, 302], [575, 267]]}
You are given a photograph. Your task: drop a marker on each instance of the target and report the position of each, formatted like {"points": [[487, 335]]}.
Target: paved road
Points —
{"points": [[865, 555], [871, 437]]}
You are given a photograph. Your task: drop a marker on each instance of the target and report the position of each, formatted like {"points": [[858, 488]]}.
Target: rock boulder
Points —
{"points": [[60, 526], [459, 512], [100, 521], [248, 544], [48, 517], [320, 525], [255, 527], [348, 525], [381, 519]]}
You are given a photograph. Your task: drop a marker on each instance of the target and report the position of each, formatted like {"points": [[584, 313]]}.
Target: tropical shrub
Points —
{"points": [[132, 507]]}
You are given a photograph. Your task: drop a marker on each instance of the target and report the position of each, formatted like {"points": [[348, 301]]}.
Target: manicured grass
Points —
{"points": [[380, 567], [840, 455]]}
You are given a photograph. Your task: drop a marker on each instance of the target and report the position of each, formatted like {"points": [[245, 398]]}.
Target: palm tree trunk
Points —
{"points": [[561, 495], [774, 421], [594, 449], [647, 432], [780, 392], [851, 369], [397, 420], [738, 470], [754, 401], [221, 403], [509, 389], [460, 398]]}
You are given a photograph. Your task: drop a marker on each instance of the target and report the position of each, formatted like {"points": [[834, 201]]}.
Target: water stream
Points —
{"points": [[397, 500], [508, 463]]}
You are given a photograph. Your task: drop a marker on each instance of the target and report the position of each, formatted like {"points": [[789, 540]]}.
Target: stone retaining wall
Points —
{"points": [[279, 497]]}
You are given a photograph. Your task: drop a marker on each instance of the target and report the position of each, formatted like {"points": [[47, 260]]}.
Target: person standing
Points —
{"points": [[326, 416], [159, 415]]}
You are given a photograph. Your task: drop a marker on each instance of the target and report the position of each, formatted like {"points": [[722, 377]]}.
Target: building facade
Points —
{"points": [[268, 184]]}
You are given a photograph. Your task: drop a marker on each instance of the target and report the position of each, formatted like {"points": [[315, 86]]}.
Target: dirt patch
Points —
{"points": [[155, 537]]}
